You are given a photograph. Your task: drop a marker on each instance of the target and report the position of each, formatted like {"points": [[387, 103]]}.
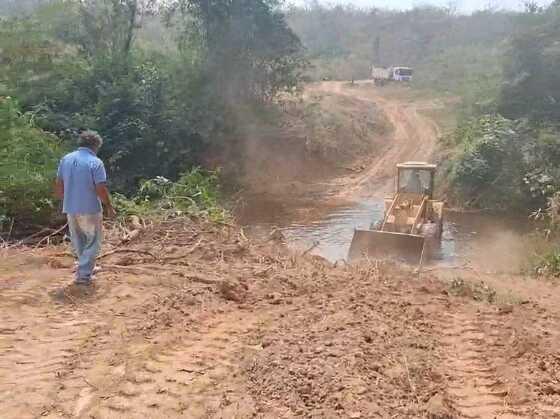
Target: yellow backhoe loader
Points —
{"points": [[412, 221]]}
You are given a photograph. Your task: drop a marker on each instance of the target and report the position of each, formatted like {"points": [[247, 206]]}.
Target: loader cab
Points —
{"points": [[416, 178]]}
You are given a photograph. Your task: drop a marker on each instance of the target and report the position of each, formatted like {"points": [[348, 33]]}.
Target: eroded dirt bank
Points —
{"points": [[193, 320]]}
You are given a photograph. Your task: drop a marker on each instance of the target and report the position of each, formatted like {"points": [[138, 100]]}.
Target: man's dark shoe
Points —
{"points": [[82, 281]]}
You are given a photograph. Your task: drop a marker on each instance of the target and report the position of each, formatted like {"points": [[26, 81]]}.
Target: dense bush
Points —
{"points": [[91, 64], [153, 110], [505, 164], [29, 158], [543, 245], [512, 161], [531, 86], [153, 124], [543, 171], [196, 192], [489, 170]]}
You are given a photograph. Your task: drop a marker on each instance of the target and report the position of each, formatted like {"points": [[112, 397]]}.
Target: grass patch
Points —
{"points": [[481, 291], [478, 291]]}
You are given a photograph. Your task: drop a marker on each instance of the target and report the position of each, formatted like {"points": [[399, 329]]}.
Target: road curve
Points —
{"points": [[413, 136]]}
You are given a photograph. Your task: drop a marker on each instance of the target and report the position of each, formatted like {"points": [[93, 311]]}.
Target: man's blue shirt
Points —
{"points": [[81, 171]]}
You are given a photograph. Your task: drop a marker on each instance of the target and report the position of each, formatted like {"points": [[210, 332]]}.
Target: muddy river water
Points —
{"points": [[487, 241]]}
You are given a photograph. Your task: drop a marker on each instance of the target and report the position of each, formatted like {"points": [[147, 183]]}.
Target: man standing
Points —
{"points": [[82, 185]]}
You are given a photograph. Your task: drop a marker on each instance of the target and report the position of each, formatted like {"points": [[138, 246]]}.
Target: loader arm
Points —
{"points": [[406, 246], [421, 211], [386, 217]]}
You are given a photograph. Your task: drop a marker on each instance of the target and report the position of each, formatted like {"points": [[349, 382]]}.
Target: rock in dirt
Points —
{"points": [[505, 309], [130, 236], [135, 222], [438, 407], [276, 236], [274, 298], [232, 291], [361, 391], [55, 263]]}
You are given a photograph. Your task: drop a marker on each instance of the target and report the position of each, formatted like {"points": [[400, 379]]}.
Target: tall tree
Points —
{"points": [[532, 82], [110, 26], [250, 52]]}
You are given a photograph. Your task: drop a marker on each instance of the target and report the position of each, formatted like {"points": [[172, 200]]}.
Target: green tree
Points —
{"points": [[110, 27], [443, 47], [250, 53], [29, 157], [490, 168], [76, 64], [532, 82]]}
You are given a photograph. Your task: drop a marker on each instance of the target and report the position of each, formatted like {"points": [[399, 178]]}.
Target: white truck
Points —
{"points": [[382, 75]]}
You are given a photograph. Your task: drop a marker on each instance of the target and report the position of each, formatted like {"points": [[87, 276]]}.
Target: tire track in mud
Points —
{"points": [[473, 387], [471, 339], [195, 376], [129, 346], [500, 360], [37, 340]]}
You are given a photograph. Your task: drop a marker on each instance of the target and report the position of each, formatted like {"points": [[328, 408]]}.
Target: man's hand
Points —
{"points": [[111, 213], [103, 194]]}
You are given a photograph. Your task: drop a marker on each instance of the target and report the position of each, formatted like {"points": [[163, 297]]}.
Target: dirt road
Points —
{"points": [[413, 136], [193, 320]]}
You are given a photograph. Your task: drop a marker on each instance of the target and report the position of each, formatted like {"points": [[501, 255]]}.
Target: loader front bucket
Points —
{"points": [[383, 244]]}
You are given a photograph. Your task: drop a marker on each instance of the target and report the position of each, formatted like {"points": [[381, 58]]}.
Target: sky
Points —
{"points": [[464, 6]]}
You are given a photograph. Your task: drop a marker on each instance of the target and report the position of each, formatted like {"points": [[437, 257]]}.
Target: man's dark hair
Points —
{"points": [[90, 139]]}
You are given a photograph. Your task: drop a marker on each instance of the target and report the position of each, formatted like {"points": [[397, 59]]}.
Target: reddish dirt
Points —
{"points": [[192, 320]]}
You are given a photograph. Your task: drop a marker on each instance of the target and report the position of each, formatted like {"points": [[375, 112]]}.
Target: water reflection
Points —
{"points": [[488, 240], [334, 232]]}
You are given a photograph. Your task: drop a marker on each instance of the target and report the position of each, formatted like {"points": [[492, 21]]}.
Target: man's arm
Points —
{"points": [[100, 181], [105, 196], [59, 189]]}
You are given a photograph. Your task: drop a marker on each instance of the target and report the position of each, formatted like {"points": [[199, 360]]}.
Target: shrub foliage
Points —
{"points": [[29, 158]]}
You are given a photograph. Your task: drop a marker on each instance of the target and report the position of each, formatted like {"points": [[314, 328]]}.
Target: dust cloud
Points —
{"points": [[497, 251]]}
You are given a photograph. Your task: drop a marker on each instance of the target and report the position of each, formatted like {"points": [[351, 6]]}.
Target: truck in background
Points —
{"points": [[382, 75]]}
